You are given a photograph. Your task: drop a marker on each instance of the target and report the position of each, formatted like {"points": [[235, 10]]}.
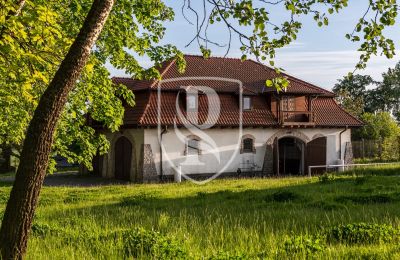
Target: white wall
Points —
{"points": [[228, 142]]}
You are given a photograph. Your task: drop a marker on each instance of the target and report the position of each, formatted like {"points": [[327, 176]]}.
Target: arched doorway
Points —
{"points": [[123, 157], [291, 156]]}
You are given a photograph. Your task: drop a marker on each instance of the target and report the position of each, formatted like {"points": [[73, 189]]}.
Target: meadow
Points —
{"points": [[349, 216]]}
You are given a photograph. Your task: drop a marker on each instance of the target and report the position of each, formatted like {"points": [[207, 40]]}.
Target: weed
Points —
{"points": [[303, 245], [362, 233], [143, 243], [326, 178]]}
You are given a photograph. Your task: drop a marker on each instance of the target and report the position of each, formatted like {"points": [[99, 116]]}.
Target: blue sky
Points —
{"points": [[319, 55]]}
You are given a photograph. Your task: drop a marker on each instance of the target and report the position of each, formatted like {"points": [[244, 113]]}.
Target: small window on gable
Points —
{"points": [[246, 103], [191, 102], [193, 147]]}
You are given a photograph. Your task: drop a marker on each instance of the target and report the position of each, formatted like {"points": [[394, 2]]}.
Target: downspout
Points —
{"points": [[164, 131], [340, 142]]}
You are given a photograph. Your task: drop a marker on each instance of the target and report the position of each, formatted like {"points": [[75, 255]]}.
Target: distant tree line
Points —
{"points": [[377, 104]]}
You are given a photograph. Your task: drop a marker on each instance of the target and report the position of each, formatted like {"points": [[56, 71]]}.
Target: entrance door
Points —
{"points": [[316, 154], [291, 156], [123, 155]]}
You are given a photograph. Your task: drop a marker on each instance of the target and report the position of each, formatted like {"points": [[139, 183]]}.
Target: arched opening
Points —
{"points": [[291, 156], [123, 157]]}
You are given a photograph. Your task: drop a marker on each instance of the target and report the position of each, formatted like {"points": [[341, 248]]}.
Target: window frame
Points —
{"points": [[196, 102], [251, 149], [190, 150], [250, 107]]}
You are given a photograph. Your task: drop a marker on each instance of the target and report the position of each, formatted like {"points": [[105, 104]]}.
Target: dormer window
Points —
{"points": [[191, 102], [246, 103]]}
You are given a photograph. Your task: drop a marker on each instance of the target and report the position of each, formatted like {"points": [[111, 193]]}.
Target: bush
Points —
{"points": [[326, 178], [305, 246], [140, 243], [362, 233]]}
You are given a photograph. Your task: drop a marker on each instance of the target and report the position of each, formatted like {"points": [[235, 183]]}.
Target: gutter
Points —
{"points": [[164, 131]]}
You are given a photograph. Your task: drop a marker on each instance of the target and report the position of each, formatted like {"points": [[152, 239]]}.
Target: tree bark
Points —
{"points": [[34, 159]]}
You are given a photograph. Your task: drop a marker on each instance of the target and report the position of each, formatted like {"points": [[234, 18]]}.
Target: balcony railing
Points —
{"points": [[296, 118]]}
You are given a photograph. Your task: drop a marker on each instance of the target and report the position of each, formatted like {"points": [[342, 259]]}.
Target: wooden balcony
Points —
{"points": [[296, 118]]}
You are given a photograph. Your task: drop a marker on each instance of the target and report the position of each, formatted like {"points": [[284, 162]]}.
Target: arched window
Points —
{"points": [[248, 144], [192, 145]]}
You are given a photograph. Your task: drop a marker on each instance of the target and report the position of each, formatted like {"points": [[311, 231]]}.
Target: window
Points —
{"points": [[191, 102], [246, 103], [288, 103], [248, 145], [193, 147]]}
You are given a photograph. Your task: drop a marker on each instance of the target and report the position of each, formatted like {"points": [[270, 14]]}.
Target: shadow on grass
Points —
{"points": [[296, 205]]}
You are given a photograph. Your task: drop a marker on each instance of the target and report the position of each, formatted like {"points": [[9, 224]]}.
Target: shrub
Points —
{"points": [[284, 196], [151, 244], [326, 178], [303, 246], [362, 233], [43, 230]]}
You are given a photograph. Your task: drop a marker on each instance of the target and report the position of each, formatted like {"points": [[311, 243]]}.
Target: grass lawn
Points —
{"points": [[293, 218]]}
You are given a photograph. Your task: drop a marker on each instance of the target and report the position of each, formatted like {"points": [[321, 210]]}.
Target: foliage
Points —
{"points": [[34, 42], [352, 93], [140, 243], [362, 233], [360, 94], [326, 178], [377, 126], [303, 245]]}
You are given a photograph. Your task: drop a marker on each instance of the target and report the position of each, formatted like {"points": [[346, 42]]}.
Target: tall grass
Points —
{"points": [[223, 219]]}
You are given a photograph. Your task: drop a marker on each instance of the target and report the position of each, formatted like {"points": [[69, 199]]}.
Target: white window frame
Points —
{"points": [[246, 108]]}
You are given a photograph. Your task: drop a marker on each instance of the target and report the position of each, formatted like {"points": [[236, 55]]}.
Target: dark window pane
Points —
{"points": [[248, 145]]}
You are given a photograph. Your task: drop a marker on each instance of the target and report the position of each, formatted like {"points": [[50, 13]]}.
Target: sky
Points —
{"points": [[319, 55]]}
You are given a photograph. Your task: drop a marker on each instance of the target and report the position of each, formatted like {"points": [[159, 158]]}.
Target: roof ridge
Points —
{"points": [[213, 57]]}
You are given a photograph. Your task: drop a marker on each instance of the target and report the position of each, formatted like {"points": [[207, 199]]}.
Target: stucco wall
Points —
{"points": [[228, 142]]}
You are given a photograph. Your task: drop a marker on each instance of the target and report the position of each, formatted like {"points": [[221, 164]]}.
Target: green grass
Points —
{"points": [[249, 218]]}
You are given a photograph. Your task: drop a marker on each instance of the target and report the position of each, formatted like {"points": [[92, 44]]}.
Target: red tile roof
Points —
{"points": [[252, 74]]}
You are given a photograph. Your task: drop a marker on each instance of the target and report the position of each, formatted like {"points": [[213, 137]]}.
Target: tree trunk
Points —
{"points": [[34, 159]]}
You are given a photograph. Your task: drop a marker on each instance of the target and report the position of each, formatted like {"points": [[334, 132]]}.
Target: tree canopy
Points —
{"points": [[32, 45], [360, 94]]}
